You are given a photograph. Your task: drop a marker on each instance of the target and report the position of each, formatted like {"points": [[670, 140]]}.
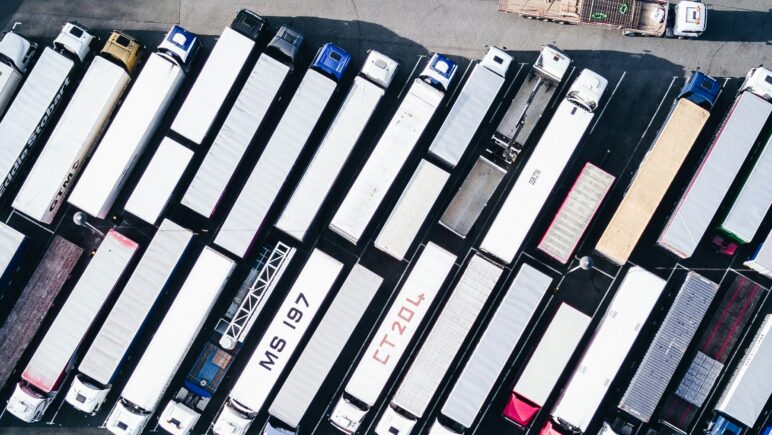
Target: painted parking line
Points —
{"points": [[417, 62], [608, 101]]}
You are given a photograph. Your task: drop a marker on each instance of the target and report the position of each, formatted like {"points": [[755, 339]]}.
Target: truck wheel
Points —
{"points": [[528, 17], [629, 33]]}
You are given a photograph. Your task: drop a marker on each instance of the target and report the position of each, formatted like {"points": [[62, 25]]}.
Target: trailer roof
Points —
{"points": [[761, 261], [65, 334], [135, 301], [234, 136], [10, 243], [276, 161], [472, 196], [325, 346], [496, 345], [179, 328]]}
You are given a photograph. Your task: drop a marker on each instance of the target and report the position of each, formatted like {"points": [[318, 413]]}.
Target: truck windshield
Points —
{"points": [[576, 98]]}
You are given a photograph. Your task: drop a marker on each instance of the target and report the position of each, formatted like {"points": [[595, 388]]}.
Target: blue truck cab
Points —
{"points": [[331, 61], [439, 72], [721, 425], [179, 46], [701, 89]]}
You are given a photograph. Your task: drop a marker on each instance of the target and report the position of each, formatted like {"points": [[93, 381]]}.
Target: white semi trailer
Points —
{"points": [[102, 361], [16, 54], [270, 173], [394, 334], [172, 339], [12, 244], [217, 76], [38, 99], [242, 122], [325, 167], [52, 360], [135, 123], [78, 130], [278, 344], [393, 148], [543, 169]]}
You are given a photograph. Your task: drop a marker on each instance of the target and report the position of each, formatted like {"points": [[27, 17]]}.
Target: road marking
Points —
{"points": [[655, 114], [33, 221], [597, 120], [458, 86], [410, 76]]}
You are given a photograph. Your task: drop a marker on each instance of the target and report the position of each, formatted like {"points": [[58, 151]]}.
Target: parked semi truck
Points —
{"points": [[102, 361], [576, 212], [661, 18], [35, 300], [754, 200], [546, 365], [323, 349], [243, 120], [16, 53], [135, 123], [390, 341], [269, 175], [659, 167], [79, 128], [354, 115], [761, 260], [12, 247], [460, 125], [217, 76], [607, 350], [490, 355], [152, 192], [749, 389], [52, 360], [667, 348], [277, 345], [171, 341], [438, 351], [727, 152], [720, 337], [543, 169], [38, 100], [393, 148], [182, 413], [526, 109]]}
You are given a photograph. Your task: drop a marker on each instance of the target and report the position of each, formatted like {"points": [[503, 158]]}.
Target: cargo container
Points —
{"points": [[393, 148], [280, 154], [153, 191], [662, 18], [727, 152], [52, 360], [576, 213], [37, 297], [82, 122], [38, 99], [12, 244], [666, 350], [509, 139], [277, 345], [217, 76], [753, 201], [542, 171], [172, 340], [182, 413], [470, 107], [761, 260], [102, 361], [545, 366], [242, 122], [16, 53], [439, 349], [659, 167], [323, 349], [490, 355], [338, 143], [391, 339], [135, 123], [749, 389], [607, 349], [401, 228], [720, 336]]}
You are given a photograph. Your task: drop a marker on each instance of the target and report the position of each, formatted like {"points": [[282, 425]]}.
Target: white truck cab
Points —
{"points": [[691, 19], [496, 60], [26, 404], [552, 64], [759, 82], [15, 55], [85, 396], [440, 429], [76, 39], [178, 419], [126, 419], [394, 423], [232, 420], [379, 68], [587, 90], [347, 416]]}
